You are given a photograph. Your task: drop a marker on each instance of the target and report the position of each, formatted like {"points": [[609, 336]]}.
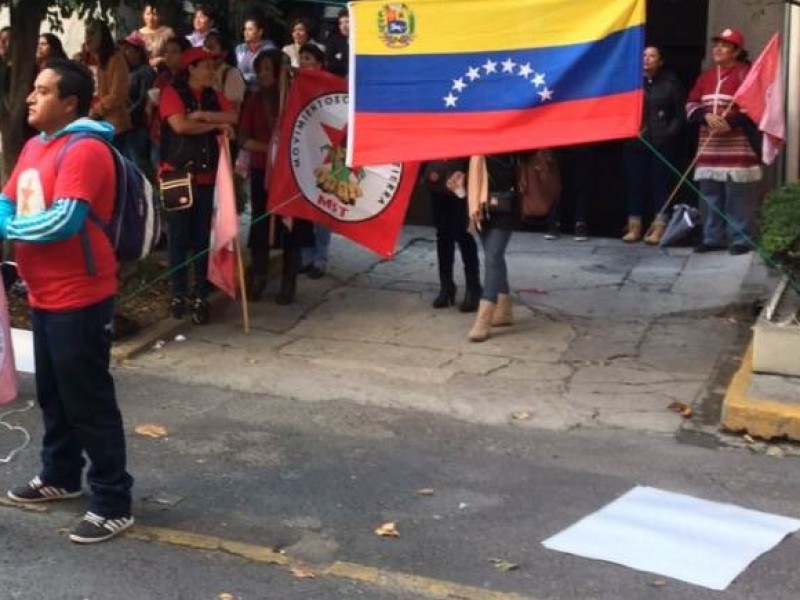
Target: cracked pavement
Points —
{"points": [[606, 335]]}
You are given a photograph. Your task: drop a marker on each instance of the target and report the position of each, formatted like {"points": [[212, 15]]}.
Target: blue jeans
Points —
{"points": [[495, 278], [191, 229], [318, 254], [648, 180], [731, 208], [76, 394]]}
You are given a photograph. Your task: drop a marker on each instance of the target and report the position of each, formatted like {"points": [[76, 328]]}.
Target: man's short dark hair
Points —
{"points": [[74, 79]]}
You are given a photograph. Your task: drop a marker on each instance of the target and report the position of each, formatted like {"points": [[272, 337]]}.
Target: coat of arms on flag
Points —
{"points": [[311, 180]]}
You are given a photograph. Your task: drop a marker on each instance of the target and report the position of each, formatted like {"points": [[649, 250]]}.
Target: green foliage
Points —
{"points": [[780, 225]]}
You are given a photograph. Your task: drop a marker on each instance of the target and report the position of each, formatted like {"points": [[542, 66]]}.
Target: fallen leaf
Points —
{"points": [[503, 565], [151, 430], [776, 452], [677, 406], [425, 492], [302, 572], [521, 416], [387, 530], [682, 409]]}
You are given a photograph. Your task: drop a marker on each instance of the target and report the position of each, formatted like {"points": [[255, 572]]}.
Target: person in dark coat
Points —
{"points": [[337, 46], [649, 179]]}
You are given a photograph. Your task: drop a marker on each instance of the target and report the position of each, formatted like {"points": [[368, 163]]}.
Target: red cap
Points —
{"points": [[731, 36], [193, 55], [136, 41]]}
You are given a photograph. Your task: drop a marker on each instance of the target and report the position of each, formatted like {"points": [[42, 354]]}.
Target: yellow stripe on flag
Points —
{"points": [[450, 26]]}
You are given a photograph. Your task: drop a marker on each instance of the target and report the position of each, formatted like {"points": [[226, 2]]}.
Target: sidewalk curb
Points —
{"points": [[165, 329], [760, 417]]}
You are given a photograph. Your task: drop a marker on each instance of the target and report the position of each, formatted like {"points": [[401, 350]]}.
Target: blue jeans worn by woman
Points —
{"points": [[731, 209], [495, 279], [648, 180]]}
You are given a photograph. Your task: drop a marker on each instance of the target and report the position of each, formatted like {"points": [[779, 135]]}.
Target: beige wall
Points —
{"points": [[756, 19]]}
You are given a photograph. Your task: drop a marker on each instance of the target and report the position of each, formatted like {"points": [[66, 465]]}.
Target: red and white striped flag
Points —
{"points": [[8, 373], [224, 227], [761, 97]]}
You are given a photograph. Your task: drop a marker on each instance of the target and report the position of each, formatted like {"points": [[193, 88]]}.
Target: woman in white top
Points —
{"points": [[254, 44], [301, 35], [154, 35]]}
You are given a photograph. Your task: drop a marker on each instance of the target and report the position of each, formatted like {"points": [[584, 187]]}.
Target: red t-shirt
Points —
{"points": [[56, 272], [254, 125], [171, 104]]}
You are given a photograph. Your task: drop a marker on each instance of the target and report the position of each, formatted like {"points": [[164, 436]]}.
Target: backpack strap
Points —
{"points": [[86, 246]]}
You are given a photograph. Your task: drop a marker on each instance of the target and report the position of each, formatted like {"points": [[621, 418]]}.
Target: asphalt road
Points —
{"points": [[308, 483]]}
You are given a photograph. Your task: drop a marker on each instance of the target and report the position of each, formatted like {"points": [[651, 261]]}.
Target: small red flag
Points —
{"points": [[8, 373], [225, 226], [761, 97], [310, 179]]}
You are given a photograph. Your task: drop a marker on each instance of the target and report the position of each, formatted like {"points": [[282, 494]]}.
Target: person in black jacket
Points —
{"points": [[446, 183], [663, 120], [337, 46]]}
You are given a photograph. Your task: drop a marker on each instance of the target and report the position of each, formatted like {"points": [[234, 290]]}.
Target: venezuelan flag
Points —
{"points": [[445, 78]]}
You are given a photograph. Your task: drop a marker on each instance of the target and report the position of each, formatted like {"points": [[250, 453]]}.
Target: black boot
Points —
{"points": [[447, 295], [472, 274], [445, 255]]}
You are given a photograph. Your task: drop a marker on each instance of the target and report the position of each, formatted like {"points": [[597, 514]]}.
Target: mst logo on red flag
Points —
{"points": [[311, 181]]}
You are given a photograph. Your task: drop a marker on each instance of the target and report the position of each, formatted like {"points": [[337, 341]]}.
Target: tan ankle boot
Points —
{"points": [[634, 232], [503, 315], [483, 322], [655, 233]]}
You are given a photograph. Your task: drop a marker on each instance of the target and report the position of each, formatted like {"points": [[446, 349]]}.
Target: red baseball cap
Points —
{"points": [[193, 55], [731, 36]]}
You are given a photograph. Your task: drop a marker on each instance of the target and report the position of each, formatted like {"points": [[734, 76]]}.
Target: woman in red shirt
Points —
{"points": [[258, 119]]}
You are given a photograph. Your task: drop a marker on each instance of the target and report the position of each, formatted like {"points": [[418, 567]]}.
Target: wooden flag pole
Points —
{"points": [[242, 285]]}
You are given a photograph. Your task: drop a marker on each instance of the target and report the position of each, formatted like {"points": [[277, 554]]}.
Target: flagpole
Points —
{"points": [[242, 285]]}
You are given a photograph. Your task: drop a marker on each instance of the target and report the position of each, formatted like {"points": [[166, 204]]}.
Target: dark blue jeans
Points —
{"points": [[190, 229], [648, 180], [76, 393], [730, 212], [495, 274]]}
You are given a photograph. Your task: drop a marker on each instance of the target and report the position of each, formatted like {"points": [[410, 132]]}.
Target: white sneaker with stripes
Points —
{"points": [[38, 491], [93, 528]]}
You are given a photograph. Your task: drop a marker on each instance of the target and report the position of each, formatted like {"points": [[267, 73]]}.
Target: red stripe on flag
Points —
{"points": [[423, 136]]}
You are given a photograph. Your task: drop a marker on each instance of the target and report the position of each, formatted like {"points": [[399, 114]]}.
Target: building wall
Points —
{"points": [[758, 20]]}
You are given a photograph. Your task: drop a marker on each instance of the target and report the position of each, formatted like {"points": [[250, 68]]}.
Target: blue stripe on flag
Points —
{"points": [[499, 80]]}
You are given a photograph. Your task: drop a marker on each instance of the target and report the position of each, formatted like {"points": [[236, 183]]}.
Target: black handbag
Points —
{"points": [[501, 203], [177, 190]]}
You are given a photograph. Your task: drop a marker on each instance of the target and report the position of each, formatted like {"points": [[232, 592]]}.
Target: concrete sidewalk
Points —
{"points": [[607, 335]]}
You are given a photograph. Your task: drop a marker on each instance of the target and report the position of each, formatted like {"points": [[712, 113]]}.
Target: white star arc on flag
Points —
{"points": [[473, 74]]}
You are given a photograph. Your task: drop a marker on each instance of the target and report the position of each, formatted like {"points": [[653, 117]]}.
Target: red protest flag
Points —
{"points": [[761, 97], [224, 227], [311, 181], [8, 373]]}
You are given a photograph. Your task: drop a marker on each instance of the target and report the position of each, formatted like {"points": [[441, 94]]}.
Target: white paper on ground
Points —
{"points": [[701, 542], [22, 340]]}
